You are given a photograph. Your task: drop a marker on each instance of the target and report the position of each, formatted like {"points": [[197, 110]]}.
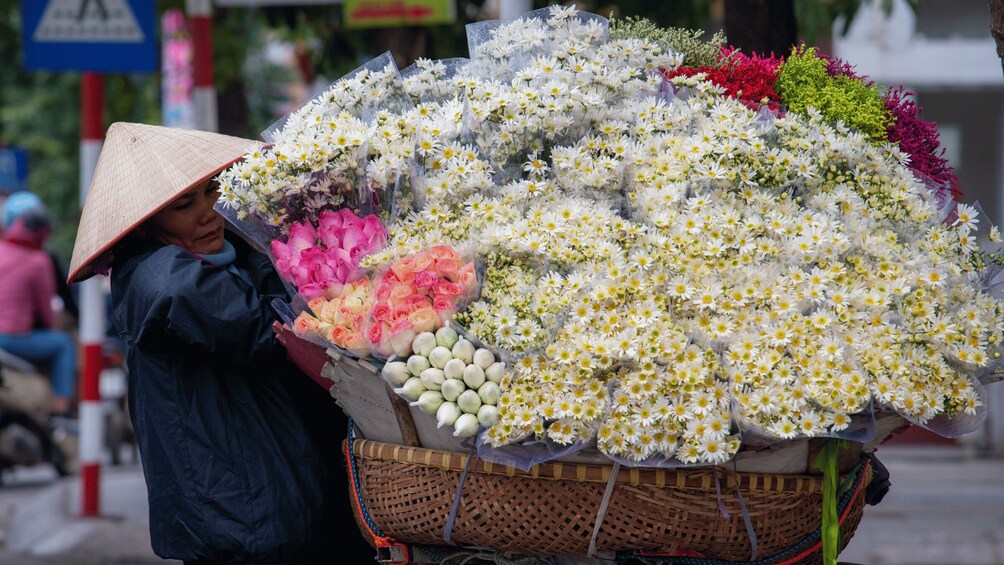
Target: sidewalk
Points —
{"points": [[45, 527], [945, 507]]}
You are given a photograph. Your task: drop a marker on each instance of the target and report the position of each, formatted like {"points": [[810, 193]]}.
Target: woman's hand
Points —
{"points": [[308, 357]]}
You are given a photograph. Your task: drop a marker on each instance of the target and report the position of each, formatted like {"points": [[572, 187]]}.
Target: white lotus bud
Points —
{"points": [[463, 350], [432, 378], [454, 369], [429, 402], [446, 337], [488, 415], [452, 388], [484, 358], [411, 389], [495, 372], [423, 343], [417, 364], [447, 414], [466, 425], [396, 373], [469, 401], [474, 376], [439, 356], [489, 393]]}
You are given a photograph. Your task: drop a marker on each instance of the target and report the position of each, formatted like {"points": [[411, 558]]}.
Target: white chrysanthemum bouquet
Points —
{"points": [[669, 267]]}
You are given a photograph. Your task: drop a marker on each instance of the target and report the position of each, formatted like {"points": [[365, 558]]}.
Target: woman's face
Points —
{"points": [[190, 221]]}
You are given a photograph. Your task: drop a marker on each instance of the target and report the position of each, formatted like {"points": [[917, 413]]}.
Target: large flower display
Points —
{"points": [[680, 250]]}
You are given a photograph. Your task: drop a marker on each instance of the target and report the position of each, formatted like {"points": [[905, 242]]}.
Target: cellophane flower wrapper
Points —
{"points": [[734, 272], [318, 156], [678, 270], [431, 82], [521, 455], [530, 452]]}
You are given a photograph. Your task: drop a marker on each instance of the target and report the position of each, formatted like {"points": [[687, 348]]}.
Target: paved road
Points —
{"points": [[945, 507]]}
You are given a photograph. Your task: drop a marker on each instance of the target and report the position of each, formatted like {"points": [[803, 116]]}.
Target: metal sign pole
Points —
{"points": [[200, 22], [92, 308], [106, 36]]}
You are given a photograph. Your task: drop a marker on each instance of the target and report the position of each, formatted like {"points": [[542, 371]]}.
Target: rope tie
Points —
{"points": [[754, 551], [607, 494], [718, 491], [455, 507]]}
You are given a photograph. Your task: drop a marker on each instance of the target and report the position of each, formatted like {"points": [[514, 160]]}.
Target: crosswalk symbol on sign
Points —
{"points": [[84, 21]]}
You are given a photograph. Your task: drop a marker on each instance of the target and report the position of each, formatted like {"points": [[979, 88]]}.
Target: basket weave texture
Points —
{"points": [[407, 493]]}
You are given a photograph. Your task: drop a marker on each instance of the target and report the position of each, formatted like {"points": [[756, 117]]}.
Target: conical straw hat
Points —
{"points": [[140, 170]]}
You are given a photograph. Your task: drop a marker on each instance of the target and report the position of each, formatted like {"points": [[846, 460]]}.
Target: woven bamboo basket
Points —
{"points": [[408, 494], [407, 475]]}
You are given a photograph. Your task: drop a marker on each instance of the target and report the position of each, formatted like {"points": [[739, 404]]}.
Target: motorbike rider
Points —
{"points": [[28, 322]]}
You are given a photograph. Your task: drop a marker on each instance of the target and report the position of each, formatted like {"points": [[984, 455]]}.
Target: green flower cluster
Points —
{"points": [[804, 82]]}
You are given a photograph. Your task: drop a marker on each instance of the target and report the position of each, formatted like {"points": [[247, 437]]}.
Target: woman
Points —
{"points": [[28, 327], [241, 461]]}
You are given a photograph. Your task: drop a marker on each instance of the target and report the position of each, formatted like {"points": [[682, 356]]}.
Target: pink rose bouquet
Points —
{"points": [[319, 260]]}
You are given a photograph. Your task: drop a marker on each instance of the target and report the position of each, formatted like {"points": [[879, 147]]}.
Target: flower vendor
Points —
{"points": [[229, 434]]}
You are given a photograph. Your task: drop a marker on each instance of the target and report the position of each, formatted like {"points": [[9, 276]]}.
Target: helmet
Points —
{"points": [[20, 203]]}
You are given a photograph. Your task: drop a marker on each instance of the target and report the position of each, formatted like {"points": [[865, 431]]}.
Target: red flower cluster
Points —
{"points": [[748, 78], [751, 79]]}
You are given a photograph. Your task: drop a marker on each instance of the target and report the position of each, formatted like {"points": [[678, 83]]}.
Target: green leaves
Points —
{"points": [[826, 461]]}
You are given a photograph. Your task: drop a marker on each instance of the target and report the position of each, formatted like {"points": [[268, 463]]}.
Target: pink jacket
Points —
{"points": [[27, 287]]}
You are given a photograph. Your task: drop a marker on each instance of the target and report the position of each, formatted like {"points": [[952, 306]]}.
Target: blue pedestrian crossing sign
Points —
{"points": [[111, 36]]}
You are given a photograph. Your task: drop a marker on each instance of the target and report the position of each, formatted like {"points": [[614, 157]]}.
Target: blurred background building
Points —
{"points": [[944, 53]]}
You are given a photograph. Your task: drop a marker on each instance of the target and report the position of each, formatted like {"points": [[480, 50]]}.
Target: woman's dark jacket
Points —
{"points": [[232, 470]]}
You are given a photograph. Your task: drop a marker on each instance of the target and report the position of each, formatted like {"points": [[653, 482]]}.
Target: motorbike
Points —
{"points": [[28, 436], [113, 386]]}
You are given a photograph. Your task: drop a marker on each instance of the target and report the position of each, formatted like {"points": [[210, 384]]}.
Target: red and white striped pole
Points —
{"points": [[200, 24], [92, 306]]}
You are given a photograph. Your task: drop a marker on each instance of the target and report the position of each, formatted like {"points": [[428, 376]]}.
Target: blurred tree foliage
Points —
{"points": [[40, 110]]}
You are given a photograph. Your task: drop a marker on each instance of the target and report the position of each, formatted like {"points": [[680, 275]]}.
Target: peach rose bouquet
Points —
{"points": [[419, 293], [342, 319], [380, 316]]}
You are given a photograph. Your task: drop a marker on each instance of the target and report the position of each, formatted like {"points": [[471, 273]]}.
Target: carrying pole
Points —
{"points": [[92, 307]]}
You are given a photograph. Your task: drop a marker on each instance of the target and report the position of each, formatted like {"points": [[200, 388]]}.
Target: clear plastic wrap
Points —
{"points": [[671, 272]]}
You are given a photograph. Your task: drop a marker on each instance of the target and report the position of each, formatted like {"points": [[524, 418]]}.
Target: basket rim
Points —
{"points": [[689, 478]]}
